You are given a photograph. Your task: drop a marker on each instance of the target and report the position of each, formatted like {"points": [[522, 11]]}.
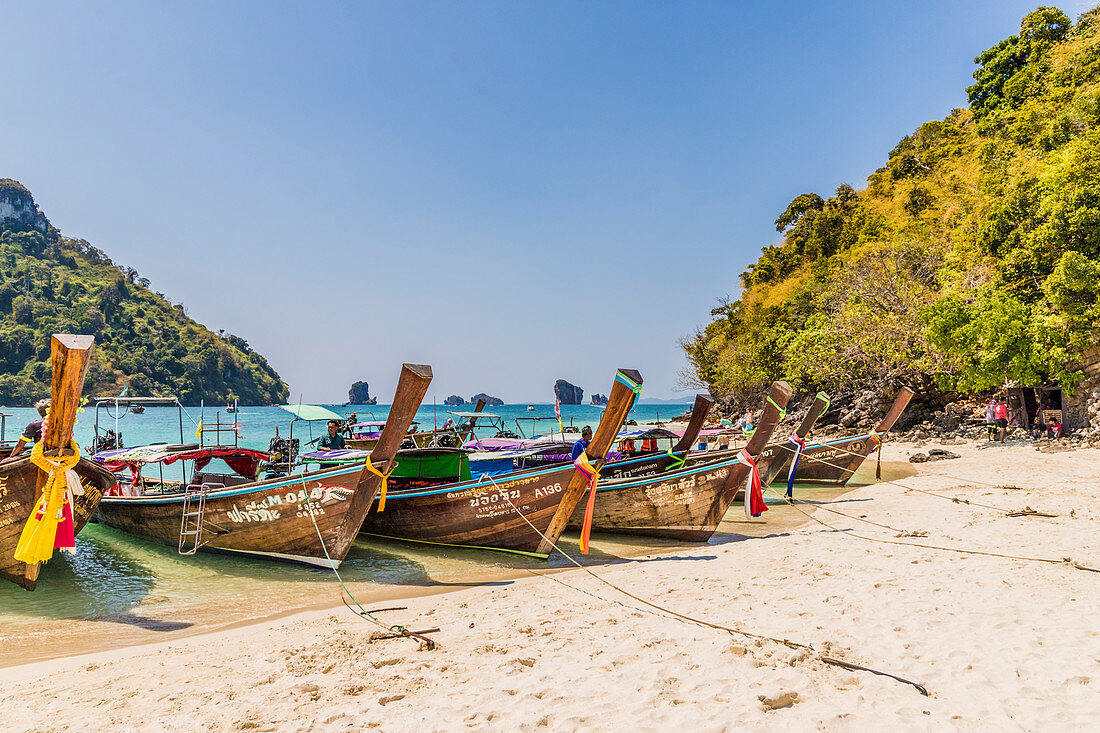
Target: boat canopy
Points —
{"points": [[139, 400], [243, 461], [311, 412], [369, 424]]}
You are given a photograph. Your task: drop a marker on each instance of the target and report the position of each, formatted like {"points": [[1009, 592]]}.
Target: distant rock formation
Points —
{"points": [[569, 394], [454, 401], [18, 209], [599, 399], [489, 399], [359, 394]]}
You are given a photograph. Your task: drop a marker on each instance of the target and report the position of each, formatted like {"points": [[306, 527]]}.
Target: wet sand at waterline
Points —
{"points": [[998, 643]]}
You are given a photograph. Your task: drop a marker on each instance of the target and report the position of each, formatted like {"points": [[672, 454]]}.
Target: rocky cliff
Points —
{"points": [[599, 399], [568, 394], [489, 399], [359, 394], [18, 211]]}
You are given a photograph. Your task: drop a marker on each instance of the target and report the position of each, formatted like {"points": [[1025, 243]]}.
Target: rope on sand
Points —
{"points": [[1026, 512], [691, 619], [396, 630], [849, 533]]}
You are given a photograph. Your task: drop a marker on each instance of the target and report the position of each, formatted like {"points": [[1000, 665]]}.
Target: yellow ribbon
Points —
{"points": [[589, 471], [385, 477], [40, 532]]}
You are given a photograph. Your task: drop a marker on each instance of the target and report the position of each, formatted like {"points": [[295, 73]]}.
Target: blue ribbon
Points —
{"points": [[800, 445]]}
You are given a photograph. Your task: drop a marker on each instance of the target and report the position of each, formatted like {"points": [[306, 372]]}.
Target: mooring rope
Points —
{"points": [[956, 500], [850, 533], [691, 619], [362, 612]]}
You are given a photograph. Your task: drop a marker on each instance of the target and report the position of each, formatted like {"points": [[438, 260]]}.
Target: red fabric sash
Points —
{"points": [[754, 492]]}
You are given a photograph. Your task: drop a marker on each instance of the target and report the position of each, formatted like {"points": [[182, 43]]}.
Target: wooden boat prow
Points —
{"points": [[619, 404], [21, 482], [834, 461]]}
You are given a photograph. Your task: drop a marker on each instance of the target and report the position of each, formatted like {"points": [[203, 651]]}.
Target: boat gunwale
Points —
{"points": [[178, 496]]}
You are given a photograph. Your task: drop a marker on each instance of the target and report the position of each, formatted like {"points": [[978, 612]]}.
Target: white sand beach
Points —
{"points": [[1000, 644]]}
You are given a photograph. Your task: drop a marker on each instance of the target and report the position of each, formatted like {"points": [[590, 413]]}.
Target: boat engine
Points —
{"points": [[107, 440], [284, 454]]}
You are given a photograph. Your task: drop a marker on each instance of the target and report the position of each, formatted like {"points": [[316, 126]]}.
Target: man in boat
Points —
{"points": [[34, 430], [332, 441], [580, 446]]}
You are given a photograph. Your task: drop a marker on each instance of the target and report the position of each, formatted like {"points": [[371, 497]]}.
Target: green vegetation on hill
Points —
{"points": [[54, 284], [971, 258]]}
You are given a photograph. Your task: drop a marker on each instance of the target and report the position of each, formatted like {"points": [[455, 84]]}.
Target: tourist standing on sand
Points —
{"points": [[34, 430], [581, 445], [1000, 413], [991, 419]]}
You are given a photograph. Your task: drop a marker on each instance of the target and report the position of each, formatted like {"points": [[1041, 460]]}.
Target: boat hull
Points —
{"points": [[475, 514], [685, 504], [833, 463], [19, 492], [271, 519]]}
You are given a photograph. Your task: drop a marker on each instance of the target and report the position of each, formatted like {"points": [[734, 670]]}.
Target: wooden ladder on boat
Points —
{"points": [[194, 505]]}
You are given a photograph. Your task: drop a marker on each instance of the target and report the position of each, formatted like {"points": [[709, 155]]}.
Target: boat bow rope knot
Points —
{"points": [[385, 478], [754, 493], [677, 461], [591, 473], [799, 446], [50, 527]]}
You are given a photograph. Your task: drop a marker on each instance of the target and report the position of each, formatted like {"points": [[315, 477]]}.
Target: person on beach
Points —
{"points": [[332, 441], [1054, 428], [1000, 413], [745, 423], [34, 431], [581, 445], [991, 419]]}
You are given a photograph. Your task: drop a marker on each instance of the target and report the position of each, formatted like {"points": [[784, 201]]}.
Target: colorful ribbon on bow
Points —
{"points": [[677, 461], [629, 384], [590, 473], [878, 446], [385, 478], [50, 526], [799, 446], [754, 492]]}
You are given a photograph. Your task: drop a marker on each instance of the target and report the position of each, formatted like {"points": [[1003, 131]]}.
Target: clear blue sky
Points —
{"points": [[536, 190]]}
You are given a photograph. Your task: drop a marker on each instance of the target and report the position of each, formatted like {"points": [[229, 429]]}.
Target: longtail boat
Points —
{"points": [[776, 455], [22, 482], [834, 461], [487, 515], [687, 502], [309, 518], [448, 437]]}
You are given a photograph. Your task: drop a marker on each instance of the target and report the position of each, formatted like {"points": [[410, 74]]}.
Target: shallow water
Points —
{"points": [[118, 590]]}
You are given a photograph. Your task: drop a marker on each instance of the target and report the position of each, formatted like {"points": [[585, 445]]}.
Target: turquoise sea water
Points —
{"points": [[118, 590], [162, 424]]}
